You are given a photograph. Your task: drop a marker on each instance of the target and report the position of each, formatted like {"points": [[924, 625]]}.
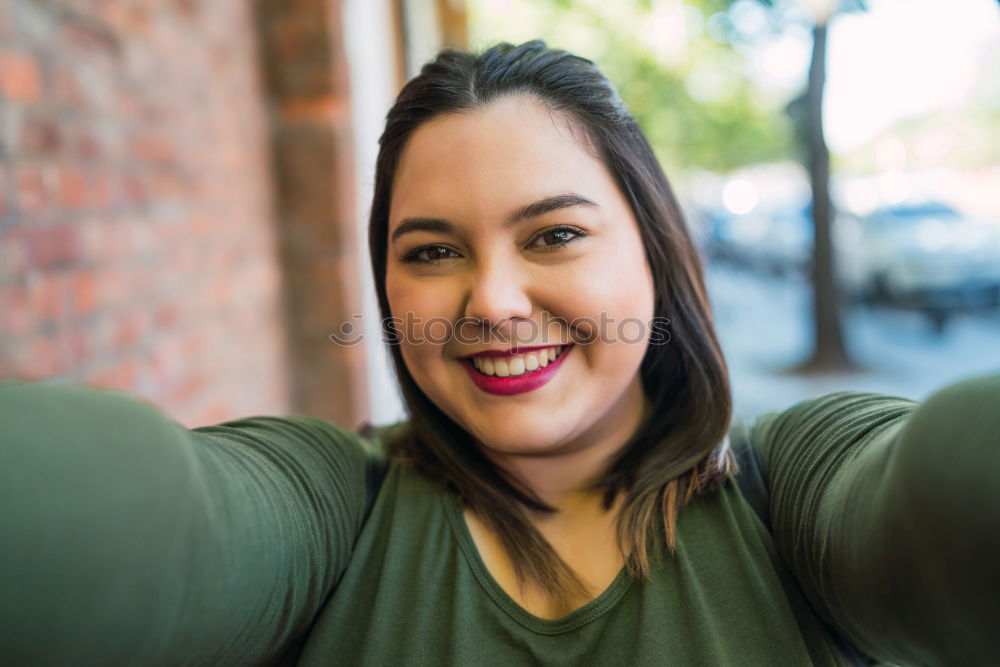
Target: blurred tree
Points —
{"points": [[829, 351], [689, 91]]}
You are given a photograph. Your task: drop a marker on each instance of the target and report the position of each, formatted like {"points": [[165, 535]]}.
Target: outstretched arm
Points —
{"points": [[888, 512], [128, 539]]}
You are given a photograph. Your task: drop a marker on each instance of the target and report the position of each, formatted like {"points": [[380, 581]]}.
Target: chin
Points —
{"points": [[519, 440]]}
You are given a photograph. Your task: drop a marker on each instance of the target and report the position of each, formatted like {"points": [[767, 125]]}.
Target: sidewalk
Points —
{"points": [[764, 326]]}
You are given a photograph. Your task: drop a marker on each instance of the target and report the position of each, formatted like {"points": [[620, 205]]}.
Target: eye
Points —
{"points": [[427, 254], [559, 236]]}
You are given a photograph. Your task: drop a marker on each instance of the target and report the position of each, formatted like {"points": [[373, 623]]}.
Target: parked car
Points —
{"points": [[772, 239], [925, 255]]}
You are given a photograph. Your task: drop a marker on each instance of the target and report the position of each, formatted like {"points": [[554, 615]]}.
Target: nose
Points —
{"points": [[497, 300]]}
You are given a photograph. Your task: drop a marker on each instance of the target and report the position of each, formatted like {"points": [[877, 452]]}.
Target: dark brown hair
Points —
{"points": [[680, 451]]}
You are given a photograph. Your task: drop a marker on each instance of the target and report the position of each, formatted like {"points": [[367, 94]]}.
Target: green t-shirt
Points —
{"points": [[128, 539]]}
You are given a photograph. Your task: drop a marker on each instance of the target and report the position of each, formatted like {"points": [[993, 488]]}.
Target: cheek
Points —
{"points": [[396, 291], [420, 297], [615, 299], [423, 320], [619, 286], [413, 305]]}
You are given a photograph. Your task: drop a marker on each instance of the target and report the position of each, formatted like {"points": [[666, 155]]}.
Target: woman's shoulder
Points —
{"points": [[831, 422], [376, 439], [858, 483], [306, 432]]}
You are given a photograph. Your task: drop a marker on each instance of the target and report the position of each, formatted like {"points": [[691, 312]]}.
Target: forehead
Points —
{"points": [[493, 159]]}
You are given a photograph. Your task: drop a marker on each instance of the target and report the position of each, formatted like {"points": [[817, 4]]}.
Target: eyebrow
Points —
{"points": [[532, 210]]}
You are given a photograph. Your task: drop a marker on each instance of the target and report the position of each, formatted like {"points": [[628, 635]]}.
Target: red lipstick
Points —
{"points": [[519, 384]]}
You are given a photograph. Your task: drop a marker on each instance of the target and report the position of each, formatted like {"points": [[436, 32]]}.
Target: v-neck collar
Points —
{"points": [[575, 619]]}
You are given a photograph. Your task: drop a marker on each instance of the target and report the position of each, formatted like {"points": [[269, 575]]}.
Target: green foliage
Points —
{"points": [[729, 126], [720, 135]]}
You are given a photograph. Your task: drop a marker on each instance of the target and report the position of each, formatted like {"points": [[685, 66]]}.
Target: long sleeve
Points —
{"points": [[129, 539], [888, 513]]}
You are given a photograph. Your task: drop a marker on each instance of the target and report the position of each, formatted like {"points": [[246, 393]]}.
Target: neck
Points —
{"points": [[564, 477]]}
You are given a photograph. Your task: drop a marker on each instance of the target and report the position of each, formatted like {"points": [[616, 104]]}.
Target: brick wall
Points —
{"points": [[308, 94], [137, 246]]}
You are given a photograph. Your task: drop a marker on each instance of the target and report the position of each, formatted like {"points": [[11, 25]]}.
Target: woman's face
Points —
{"points": [[505, 232]]}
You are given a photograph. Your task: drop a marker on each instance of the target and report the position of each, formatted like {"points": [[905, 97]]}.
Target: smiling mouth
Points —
{"points": [[516, 364]]}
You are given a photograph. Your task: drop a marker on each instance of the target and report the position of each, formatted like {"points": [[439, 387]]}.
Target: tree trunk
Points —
{"points": [[829, 353]]}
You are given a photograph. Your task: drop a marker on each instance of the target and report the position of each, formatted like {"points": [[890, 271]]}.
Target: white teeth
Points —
{"points": [[517, 364], [530, 362]]}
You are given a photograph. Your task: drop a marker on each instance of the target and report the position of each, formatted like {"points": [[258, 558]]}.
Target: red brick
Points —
{"points": [[72, 188], [3, 192], [134, 192], [112, 286], [100, 189], [126, 331], [41, 135], [153, 149], [86, 145], [35, 359], [166, 316], [166, 185], [120, 376], [142, 283], [13, 256], [173, 152], [55, 354], [33, 189], [48, 298], [17, 320], [66, 90], [137, 18], [74, 346], [114, 13], [85, 293], [188, 9], [101, 379], [49, 246], [6, 11], [93, 234], [86, 38], [19, 77]]}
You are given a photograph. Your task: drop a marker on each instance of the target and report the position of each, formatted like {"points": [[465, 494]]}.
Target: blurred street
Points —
{"points": [[764, 326]]}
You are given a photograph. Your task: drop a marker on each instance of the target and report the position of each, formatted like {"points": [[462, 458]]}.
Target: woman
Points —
{"points": [[564, 492]]}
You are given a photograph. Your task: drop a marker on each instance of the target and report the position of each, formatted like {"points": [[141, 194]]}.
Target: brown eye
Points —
{"points": [[428, 254], [557, 237]]}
